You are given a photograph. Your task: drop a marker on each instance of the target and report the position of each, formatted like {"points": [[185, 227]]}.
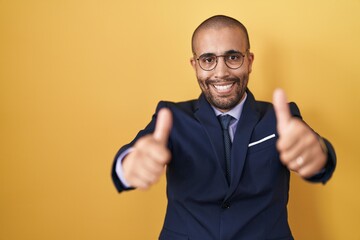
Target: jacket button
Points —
{"points": [[225, 205]]}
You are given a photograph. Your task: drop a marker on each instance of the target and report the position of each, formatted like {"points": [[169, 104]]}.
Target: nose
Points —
{"points": [[221, 70]]}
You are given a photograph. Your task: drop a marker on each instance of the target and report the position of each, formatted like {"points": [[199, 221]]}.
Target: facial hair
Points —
{"points": [[225, 103]]}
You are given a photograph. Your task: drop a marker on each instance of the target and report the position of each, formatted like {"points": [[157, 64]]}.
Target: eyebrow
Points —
{"points": [[225, 53], [232, 52]]}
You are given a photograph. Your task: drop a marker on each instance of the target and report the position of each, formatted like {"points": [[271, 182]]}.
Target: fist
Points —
{"points": [[144, 165], [299, 147]]}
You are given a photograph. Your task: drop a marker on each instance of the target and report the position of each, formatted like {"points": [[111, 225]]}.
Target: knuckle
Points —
{"points": [[144, 186], [284, 158], [143, 142], [167, 156], [279, 145], [303, 173], [293, 167], [153, 180], [312, 140]]}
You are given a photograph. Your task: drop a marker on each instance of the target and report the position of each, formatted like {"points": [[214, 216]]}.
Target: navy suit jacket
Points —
{"points": [[201, 204]]}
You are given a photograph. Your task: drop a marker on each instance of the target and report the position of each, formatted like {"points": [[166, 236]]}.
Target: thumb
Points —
{"points": [[163, 126], [282, 109]]}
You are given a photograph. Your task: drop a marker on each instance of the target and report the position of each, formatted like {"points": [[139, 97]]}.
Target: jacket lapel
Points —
{"points": [[245, 127], [206, 116]]}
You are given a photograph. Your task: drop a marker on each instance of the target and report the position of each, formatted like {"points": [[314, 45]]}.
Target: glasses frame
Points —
{"points": [[223, 56]]}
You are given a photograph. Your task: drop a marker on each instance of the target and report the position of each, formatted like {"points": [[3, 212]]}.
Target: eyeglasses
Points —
{"points": [[233, 60]]}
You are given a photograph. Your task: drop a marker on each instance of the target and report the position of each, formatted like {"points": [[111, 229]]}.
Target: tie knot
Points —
{"points": [[225, 121]]}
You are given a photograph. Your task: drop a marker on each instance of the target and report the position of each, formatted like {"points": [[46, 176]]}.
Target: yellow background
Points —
{"points": [[78, 79]]}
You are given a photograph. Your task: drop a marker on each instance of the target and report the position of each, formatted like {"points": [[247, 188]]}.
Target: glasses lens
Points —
{"points": [[207, 62], [234, 60]]}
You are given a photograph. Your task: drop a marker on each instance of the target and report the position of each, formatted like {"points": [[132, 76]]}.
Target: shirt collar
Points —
{"points": [[235, 112]]}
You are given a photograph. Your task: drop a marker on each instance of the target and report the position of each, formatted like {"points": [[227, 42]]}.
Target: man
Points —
{"points": [[227, 177]]}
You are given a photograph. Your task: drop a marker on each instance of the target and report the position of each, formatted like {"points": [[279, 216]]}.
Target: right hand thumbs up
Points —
{"points": [[145, 164], [282, 110], [163, 126]]}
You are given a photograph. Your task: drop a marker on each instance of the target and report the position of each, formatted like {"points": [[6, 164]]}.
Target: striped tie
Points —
{"points": [[225, 122]]}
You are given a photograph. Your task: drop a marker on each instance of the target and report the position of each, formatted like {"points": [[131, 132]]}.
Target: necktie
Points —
{"points": [[225, 122]]}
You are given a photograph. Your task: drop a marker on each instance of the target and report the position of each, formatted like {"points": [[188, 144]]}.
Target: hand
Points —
{"points": [[145, 164], [299, 147]]}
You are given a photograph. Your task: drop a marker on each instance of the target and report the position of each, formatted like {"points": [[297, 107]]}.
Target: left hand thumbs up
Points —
{"points": [[298, 145], [282, 111]]}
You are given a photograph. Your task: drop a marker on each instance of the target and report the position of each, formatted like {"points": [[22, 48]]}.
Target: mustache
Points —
{"points": [[225, 80]]}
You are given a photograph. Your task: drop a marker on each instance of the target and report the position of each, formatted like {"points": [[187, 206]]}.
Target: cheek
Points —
{"points": [[201, 79], [244, 75], [202, 75], [202, 85]]}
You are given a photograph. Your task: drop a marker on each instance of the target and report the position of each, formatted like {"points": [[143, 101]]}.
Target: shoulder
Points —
{"points": [[184, 106], [264, 107]]}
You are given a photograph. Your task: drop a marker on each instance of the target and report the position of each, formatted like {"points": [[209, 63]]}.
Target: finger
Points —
{"points": [[156, 152], [155, 167], [297, 163], [289, 145], [302, 140], [294, 135], [140, 184], [142, 175], [148, 176], [282, 109], [286, 156], [163, 126], [160, 156], [309, 169], [316, 162]]}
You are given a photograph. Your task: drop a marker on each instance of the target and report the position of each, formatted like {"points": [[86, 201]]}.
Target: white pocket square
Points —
{"points": [[262, 140]]}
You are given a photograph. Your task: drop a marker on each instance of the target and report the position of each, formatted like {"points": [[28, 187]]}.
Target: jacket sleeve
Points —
{"points": [[330, 166]]}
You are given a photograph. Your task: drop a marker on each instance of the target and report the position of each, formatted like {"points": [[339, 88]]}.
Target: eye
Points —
{"points": [[208, 59], [234, 57]]}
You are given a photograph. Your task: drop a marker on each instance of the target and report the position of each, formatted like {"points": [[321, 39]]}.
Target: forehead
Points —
{"points": [[219, 40]]}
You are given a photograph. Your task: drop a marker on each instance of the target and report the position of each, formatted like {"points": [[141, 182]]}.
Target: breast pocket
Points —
{"points": [[262, 163], [262, 143]]}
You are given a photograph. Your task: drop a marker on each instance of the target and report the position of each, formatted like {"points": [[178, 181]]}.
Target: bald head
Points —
{"points": [[217, 22]]}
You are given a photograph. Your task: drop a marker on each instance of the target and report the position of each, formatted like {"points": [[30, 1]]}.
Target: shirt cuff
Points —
{"points": [[119, 169]]}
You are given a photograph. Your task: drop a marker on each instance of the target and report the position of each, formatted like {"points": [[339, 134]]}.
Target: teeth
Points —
{"points": [[223, 87]]}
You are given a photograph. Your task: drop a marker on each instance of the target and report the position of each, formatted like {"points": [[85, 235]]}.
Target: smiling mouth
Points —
{"points": [[223, 88]]}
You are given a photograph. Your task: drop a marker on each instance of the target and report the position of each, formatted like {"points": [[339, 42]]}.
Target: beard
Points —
{"points": [[226, 102]]}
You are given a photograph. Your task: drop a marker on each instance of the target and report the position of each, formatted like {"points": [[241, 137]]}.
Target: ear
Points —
{"points": [[250, 58], [193, 63]]}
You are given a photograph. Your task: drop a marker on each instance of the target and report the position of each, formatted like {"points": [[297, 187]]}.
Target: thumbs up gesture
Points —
{"points": [[145, 164], [299, 147]]}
